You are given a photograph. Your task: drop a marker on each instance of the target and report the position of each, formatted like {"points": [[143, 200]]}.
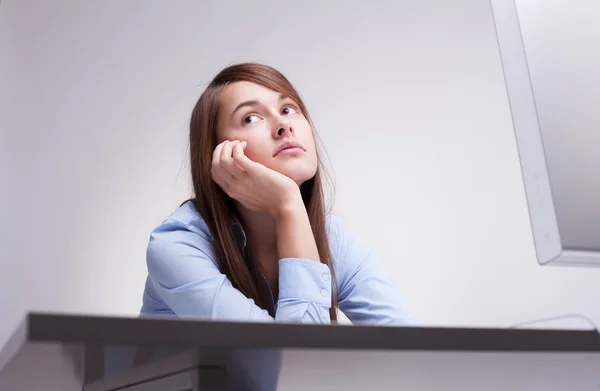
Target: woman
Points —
{"points": [[256, 242]]}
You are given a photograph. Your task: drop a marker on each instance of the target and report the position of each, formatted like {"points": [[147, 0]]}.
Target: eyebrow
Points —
{"points": [[254, 102]]}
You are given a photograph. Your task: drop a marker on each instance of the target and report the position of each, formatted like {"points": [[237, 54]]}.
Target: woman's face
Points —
{"points": [[268, 121]]}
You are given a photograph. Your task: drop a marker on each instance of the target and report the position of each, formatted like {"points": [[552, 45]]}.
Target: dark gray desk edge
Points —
{"points": [[110, 330], [14, 344]]}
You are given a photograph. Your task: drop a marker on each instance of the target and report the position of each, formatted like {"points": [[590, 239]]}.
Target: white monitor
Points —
{"points": [[550, 51]]}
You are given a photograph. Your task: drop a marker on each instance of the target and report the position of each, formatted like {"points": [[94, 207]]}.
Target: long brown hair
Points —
{"points": [[217, 208]]}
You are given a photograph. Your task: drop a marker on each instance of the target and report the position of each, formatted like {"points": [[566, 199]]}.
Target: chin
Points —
{"points": [[299, 176]]}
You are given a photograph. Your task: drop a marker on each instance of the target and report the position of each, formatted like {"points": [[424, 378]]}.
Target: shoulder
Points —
{"points": [[333, 223], [339, 234], [182, 234], [347, 248], [185, 217], [183, 223], [335, 233]]}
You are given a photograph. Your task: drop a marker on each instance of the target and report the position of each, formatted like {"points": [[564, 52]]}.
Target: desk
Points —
{"points": [[98, 353]]}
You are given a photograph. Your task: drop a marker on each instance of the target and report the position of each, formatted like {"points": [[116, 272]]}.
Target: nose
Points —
{"points": [[284, 128]]}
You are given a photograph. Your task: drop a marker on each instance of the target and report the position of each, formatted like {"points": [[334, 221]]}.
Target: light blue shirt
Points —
{"points": [[184, 279]]}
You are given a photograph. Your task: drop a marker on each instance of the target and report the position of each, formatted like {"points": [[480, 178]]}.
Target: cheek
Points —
{"points": [[257, 149], [308, 139]]}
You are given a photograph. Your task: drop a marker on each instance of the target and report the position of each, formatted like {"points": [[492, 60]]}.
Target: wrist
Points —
{"points": [[290, 206], [295, 238]]}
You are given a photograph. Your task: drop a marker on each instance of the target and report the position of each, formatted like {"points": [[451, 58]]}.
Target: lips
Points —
{"points": [[288, 145]]}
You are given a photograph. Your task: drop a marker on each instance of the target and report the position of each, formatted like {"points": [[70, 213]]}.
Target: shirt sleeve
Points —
{"points": [[367, 294], [183, 271]]}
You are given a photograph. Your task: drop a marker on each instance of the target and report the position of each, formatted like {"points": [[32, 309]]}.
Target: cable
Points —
{"points": [[566, 316]]}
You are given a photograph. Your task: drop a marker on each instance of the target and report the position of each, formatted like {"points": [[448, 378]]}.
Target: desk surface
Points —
{"points": [[107, 330], [258, 346]]}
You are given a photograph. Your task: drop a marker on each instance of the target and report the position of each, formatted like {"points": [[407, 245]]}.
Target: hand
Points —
{"points": [[255, 186]]}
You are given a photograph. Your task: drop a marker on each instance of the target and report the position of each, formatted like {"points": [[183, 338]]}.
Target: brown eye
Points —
{"points": [[288, 110], [249, 119]]}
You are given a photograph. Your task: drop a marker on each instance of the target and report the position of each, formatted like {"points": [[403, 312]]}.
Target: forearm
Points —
{"points": [[295, 237]]}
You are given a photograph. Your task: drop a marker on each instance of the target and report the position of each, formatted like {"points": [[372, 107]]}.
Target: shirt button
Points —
{"points": [[323, 292], [325, 277]]}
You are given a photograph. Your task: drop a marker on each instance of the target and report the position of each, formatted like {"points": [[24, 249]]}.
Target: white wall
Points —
{"points": [[408, 97]]}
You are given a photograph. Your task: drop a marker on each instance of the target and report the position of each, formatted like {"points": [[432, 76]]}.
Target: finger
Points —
{"points": [[227, 161], [244, 161], [219, 174], [226, 150], [220, 181], [222, 178], [238, 153], [217, 154]]}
